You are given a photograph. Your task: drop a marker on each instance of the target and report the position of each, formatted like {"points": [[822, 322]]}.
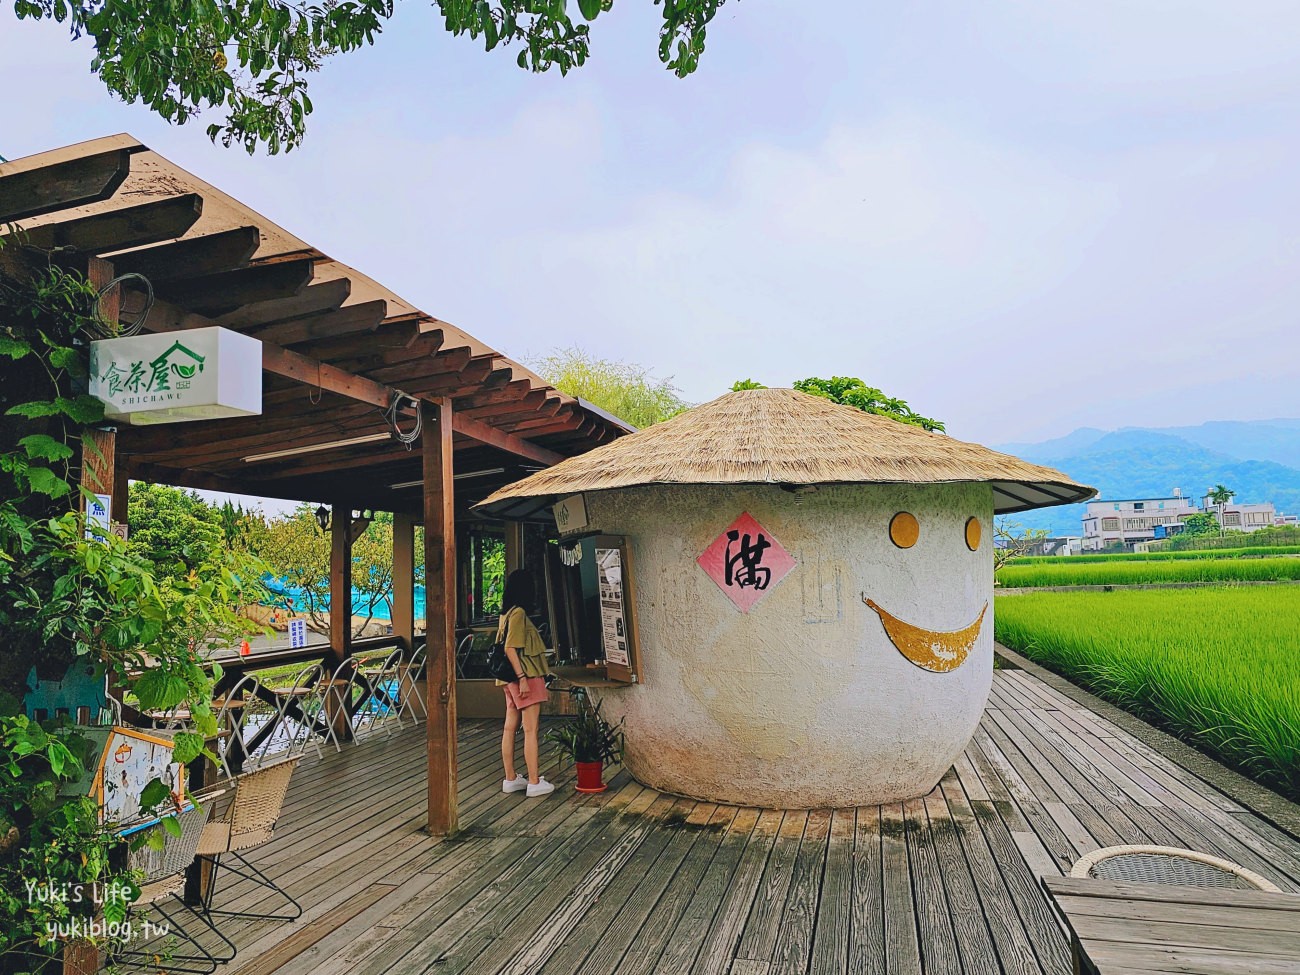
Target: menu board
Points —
{"points": [[613, 611]]}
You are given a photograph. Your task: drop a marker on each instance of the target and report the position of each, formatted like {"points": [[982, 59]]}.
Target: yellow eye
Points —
{"points": [[973, 532], [903, 530]]}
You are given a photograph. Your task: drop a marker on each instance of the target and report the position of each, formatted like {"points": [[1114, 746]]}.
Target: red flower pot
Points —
{"points": [[589, 777]]}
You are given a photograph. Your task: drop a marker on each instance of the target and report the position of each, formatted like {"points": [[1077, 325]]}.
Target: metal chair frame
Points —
{"points": [[240, 702], [411, 702], [248, 822], [305, 692], [165, 879], [380, 694]]}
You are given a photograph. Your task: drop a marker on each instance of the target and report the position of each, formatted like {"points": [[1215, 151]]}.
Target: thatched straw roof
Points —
{"points": [[780, 436]]}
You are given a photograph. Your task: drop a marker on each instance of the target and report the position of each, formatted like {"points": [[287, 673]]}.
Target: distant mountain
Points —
{"points": [[1148, 463]]}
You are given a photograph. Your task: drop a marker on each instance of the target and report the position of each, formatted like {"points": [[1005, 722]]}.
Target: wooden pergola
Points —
{"points": [[346, 364]]}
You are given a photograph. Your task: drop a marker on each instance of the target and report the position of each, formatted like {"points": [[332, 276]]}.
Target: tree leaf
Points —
{"points": [[159, 690], [13, 348], [154, 794], [44, 447], [186, 747]]}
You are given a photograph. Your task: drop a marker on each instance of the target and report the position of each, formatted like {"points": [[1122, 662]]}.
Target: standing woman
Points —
{"points": [[527, 654]]}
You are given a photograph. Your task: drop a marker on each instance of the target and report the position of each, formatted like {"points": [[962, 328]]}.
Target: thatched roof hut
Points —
{"points": [[781, 436]]}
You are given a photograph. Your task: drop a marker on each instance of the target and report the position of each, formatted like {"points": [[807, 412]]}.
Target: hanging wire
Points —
{"points": [[390, 415], [106, 328]]}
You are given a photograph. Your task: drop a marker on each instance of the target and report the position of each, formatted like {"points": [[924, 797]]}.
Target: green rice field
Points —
{"points": [[1217, 667], [1256, 551], [1073, 572]]}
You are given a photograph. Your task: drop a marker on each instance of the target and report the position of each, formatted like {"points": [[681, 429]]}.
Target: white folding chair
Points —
{"points": [[303, 696], [412, 701], [377, 703]]}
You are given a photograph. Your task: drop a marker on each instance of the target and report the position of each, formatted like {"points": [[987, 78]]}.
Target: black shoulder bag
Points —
{"points": [[498, 663]]}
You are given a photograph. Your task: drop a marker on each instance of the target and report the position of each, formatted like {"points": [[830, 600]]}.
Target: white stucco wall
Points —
{"points": [[804, 702]]}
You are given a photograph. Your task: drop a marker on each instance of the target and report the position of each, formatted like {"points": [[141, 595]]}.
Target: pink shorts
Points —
{"points": [[526, 693]]}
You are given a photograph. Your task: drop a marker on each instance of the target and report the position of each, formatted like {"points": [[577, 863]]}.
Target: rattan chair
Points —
{"points": [[1167, 865], [247, 822], [164, 879]]}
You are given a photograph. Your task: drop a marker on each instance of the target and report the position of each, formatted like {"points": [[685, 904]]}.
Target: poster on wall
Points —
{"points": [[613, 617], [130, 761]]}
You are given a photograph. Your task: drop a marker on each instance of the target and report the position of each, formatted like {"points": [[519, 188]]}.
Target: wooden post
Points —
{"points": [[404, 579], [440, 615], [98, 460], [341, 582], [514, 546]]}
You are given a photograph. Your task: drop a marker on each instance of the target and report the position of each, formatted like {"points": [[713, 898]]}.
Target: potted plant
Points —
{"points": [[590, 741]]}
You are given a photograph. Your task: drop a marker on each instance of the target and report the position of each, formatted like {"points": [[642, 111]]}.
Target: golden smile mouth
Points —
{"points": [[933, 650]]}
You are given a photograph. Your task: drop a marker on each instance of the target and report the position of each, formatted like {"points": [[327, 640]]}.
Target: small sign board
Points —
{"points": [[746, 562], [169, 377], [571, 514], [297, 633], [613, 626], [99, 521]]}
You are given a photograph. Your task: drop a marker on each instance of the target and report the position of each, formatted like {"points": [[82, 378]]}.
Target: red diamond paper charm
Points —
{"points": [[746, 562]]}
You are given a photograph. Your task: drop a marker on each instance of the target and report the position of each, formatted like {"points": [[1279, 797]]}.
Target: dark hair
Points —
{"points": [[519, 591]]}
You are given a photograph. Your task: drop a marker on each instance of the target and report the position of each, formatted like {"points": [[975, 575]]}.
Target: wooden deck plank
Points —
{"points": [[794, 942], [834, 925], [934, 915], [974, 940], [902, 937], [867, 953], [759, 939], [715, 957]]}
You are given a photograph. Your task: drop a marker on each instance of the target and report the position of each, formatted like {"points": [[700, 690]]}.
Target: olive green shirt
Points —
{"points": [[523, 637]]}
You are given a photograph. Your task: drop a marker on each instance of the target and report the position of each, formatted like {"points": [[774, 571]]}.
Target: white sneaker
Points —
{"points": [[539, 789], [518, 784]]}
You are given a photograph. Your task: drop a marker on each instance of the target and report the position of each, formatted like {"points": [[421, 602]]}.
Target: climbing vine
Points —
{"points": [[66, 598]]}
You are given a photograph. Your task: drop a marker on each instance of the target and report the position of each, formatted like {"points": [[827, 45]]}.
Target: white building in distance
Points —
{"points": [[1132, 521]]}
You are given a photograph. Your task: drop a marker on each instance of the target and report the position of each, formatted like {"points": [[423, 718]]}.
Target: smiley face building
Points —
{"points": [[813, 594]]}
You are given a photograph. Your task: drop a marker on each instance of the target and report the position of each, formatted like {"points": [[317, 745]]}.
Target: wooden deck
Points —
{"points": [[633, 881]]}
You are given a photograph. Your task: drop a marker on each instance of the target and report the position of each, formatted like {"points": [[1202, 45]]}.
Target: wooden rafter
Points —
{"points": [[113, 230], [192, 257], [313, 300], [64, 185], [216, 294]]}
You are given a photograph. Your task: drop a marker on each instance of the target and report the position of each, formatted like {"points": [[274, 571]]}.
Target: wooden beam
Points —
{"points": [[341, 580], [115, 230], [209, 254], [98, 447], [401, 332], [514, 546], [440, 616], [527, 404], [512, 392], [313, 300], [404, 580], [64, 185], [363, 318], [217, 294], [480, 431]]}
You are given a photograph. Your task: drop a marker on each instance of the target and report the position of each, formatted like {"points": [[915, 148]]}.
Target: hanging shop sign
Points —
{"points": [[170, 377], [571, 514]]}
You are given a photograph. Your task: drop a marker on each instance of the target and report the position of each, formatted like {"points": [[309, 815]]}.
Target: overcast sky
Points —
{"points": [[1022, 218]]}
